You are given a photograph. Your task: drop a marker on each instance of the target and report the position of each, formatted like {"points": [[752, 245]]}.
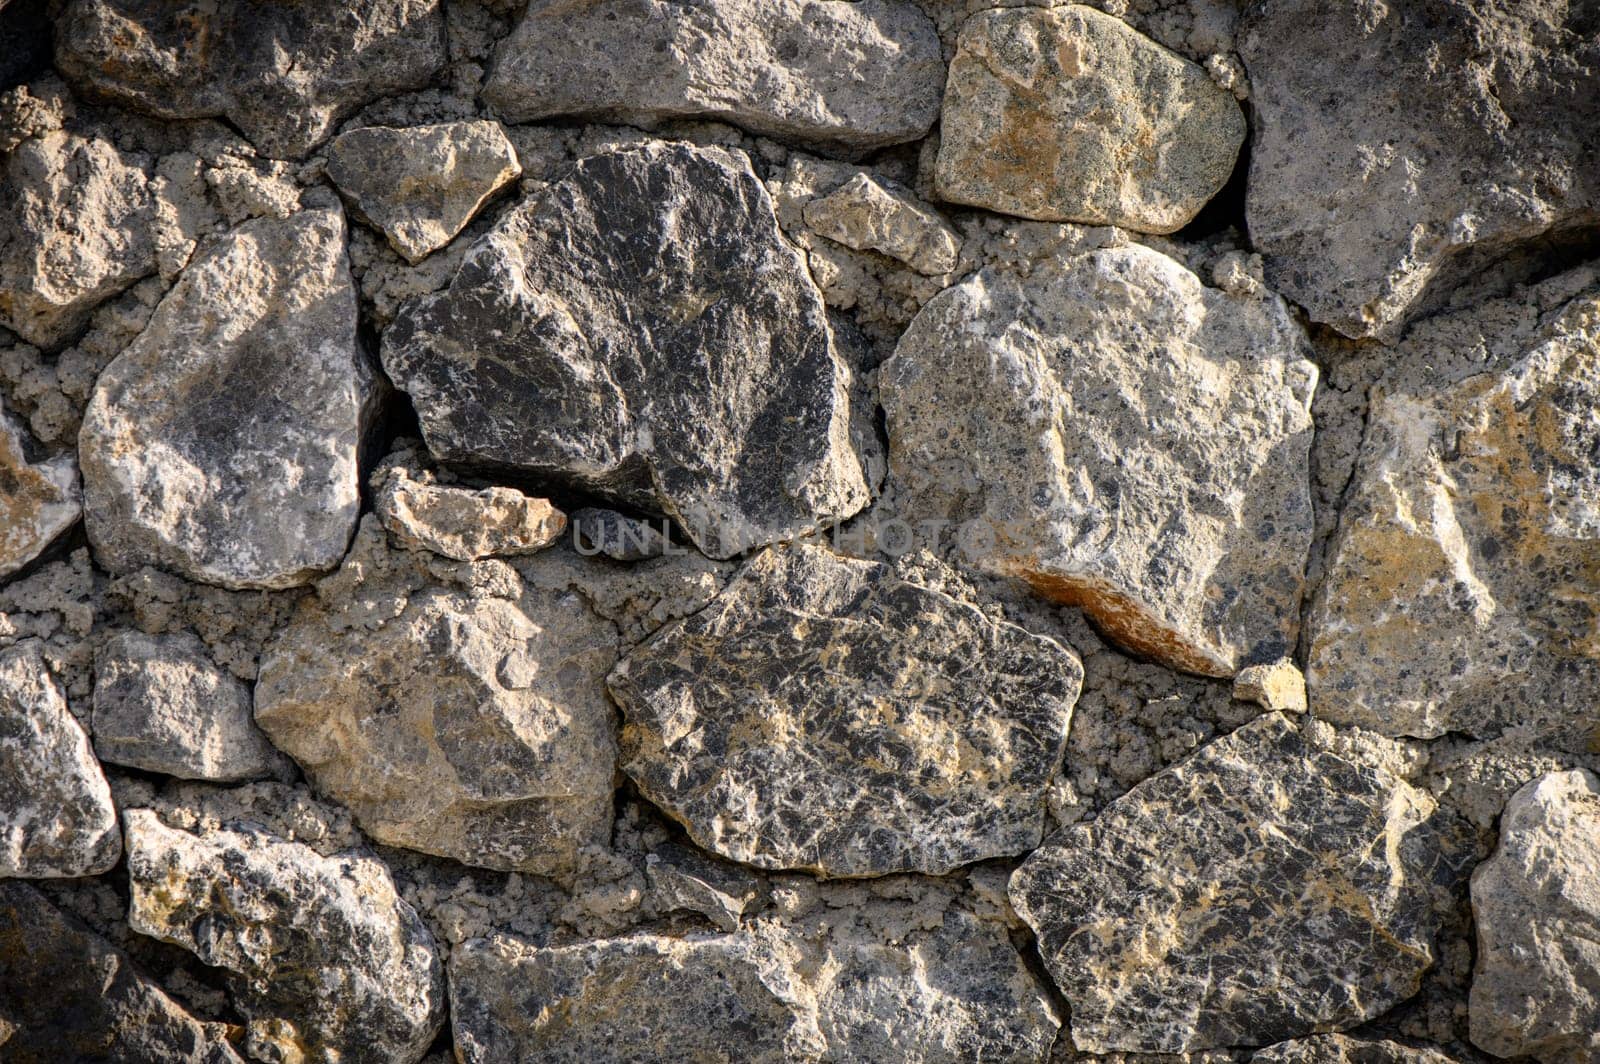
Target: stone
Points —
{"points": [[463, 524], [617, 536], [67, 994], [669, 351], [421, 185], [222, 443], [324, 959], [57, 820], [856, 75], [1342, 1049], [1121, 438], [684, 879], [826, 714], [285, 73], [466, 719], [868, 215], [1536, 903], [1457, 594], [1279, 686], [1265, 888], [1067, 114], [38, 500], [162, 705], [1402, 147]]}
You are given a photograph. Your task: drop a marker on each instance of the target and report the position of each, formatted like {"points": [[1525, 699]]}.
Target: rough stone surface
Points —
{"points": [[656, 305], [67, 995], [1265, 888], [1536, 903], [1067, 114], [1279, 686], [1342, 1049], [56, 817], [1402, 145], [868, 215], [618, 536], [285, 72], [1121, 438], [682, 878], [326, 961], [222, 443], [38, 500], [463, 524], [858, 74], [162, 705], [827, 714], [422, 185]]}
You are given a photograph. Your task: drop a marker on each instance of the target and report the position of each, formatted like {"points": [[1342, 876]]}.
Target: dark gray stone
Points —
{"points": [[617, 536]]}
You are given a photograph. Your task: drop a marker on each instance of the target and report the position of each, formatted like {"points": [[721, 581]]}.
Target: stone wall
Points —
{"points": [[799, 530]]}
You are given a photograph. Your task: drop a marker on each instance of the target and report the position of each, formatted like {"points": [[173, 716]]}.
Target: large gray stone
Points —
{"points": [[1343, 1049], [1270, 886], [1067, 114], [1400, 146], [826, 714], [56, 816], [857, 74], [38, 500], [642, 329], [222, 443], [286, 72], [1121, 438], [1536, 903], [324, 959]]}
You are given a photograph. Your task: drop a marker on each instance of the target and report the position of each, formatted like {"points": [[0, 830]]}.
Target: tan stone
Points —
{"points": [[463, 524], [38, 502], [1278, 686]]}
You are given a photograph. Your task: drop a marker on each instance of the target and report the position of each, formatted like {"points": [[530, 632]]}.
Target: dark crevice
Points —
{"points": [[25, 42]]}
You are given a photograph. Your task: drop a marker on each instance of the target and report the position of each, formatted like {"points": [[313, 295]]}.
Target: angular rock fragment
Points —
{"points": [[641, 329], [1536, 904], [222, 443], [1266, 888], [1401, 146], [423, 184], [463, 524], [825, 714], [162, 705], [853, 74], [867, 215], [324, 959], [685, 879], [1066, 114], [1278, 686], [617, 536], [1342, 1049], [1121, 438], [67, 995], [38, 501], [285, 73], [56, 816]]}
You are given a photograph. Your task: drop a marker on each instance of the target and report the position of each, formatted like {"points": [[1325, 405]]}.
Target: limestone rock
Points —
{"points": [[463, 524], [685, 879], [222, 443], [617, 536], [858, 75], [67, 995], [325, 960], [38, 501], [1265, 888], [1401, 146], [286, 72], [868, 215], [641, 329], [1536, 903], [1342, 1049], [423, 184], [825, 714], [1457, 595], [162, 705], [1121, 438], [1278, 686], [56, 819], [1067, 114], [465, 721]]}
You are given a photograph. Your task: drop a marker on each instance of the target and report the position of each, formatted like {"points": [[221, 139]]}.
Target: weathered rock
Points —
{"points": [[325, 960], [162, 705], [1342, 1049], [56, 817], [1459, 593], [858, 75], [1067, 114], [868, 215], [1536, 904], [286, 73], [67, 995], [642, 329], [465, 721], [463, 524], [617, 536], [1265, 888], [1121, 438], [222, 443], [423, 184], [38, 501], [825, 714], [1278, 686], [685, 879], [1401, 146]]}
